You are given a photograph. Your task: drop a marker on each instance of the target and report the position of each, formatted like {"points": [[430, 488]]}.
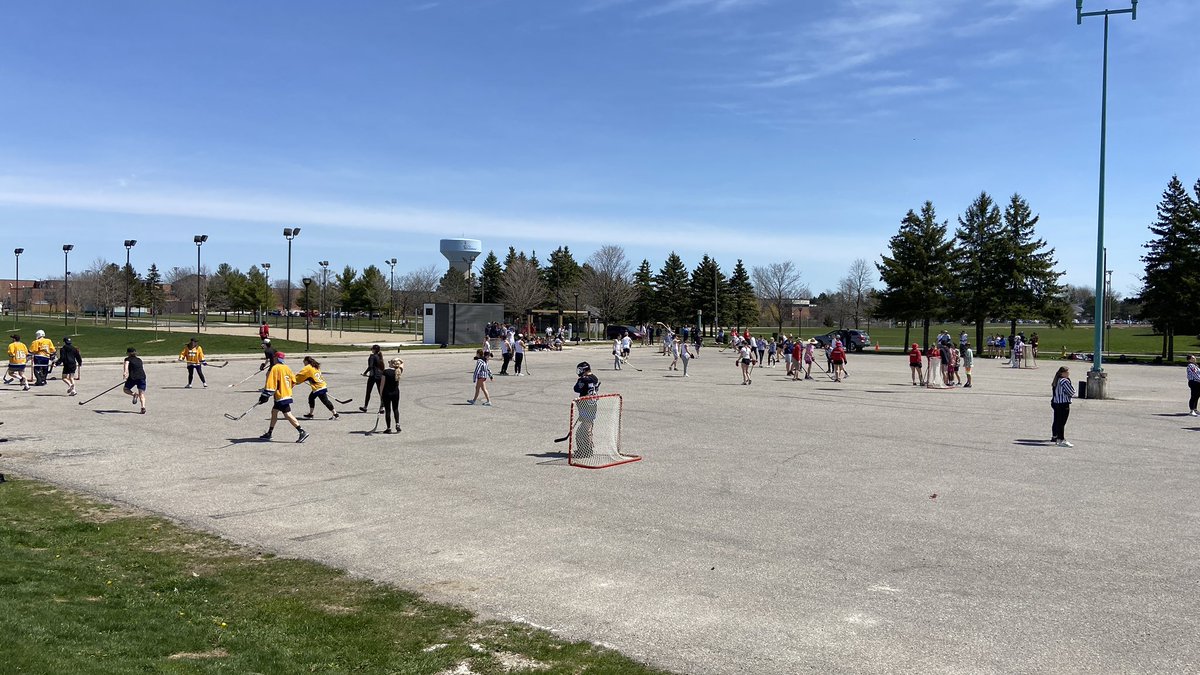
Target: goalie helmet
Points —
{"points": [[582, 368], [39, 334]]}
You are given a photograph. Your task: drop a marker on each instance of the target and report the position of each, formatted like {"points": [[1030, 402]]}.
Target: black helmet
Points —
{"points": [[582, 367]]}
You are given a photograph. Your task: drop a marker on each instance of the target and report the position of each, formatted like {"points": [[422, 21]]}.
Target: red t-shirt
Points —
{"points": [[914, 356], [796, 351]]}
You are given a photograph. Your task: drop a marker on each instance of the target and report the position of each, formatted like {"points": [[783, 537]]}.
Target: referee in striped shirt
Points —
{"points": [[1064, 391]]}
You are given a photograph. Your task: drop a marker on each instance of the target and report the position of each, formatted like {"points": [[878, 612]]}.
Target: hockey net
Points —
{"points": [[596, 433]]}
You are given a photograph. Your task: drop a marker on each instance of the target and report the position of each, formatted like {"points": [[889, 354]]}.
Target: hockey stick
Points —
{"points": [[560, 440], [101, 393], [246, 378], [349, 400], [213, 365], [376, 427], [231, 417]]}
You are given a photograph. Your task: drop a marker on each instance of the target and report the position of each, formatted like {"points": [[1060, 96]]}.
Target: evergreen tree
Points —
{"points": [[671, 302], [258, 295], [152, 295], [490, 276], [1032, 290], [980, 268], [743, 303], [561, 276], [453, 287], [709, 286], [512, 256], [917, 274], [643, 283], [344, 284], [1170, 288]]}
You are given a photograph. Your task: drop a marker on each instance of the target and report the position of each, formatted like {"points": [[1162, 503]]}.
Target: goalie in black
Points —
{"points": [[587, 385]]}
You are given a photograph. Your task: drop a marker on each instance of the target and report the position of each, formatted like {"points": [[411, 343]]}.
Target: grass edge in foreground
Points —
{"points": [[89, 586]]}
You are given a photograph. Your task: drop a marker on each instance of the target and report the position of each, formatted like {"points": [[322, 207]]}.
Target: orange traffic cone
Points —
{"points": [[876, 345]]}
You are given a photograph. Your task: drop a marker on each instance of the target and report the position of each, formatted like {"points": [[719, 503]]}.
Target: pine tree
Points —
{"points": [[490, 275], [671, 302], [561, 276], [344, 282], [916, 276], [709, 286], [743, 303], [643, 283], [453, 287], [258, 293], [981, 264], [1172, 280], [1032, 289]]}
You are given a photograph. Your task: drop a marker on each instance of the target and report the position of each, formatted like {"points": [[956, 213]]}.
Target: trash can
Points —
{"points": [[1083, 389]]}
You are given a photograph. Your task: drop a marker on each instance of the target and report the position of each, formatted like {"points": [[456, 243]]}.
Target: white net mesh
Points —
{"points": [[596, 432]]}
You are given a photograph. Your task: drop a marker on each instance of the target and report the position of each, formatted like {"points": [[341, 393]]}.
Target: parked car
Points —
{"points": [[853, 339], [613, 332]]}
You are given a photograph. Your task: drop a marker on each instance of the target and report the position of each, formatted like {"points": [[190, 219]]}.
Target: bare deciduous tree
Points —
{"points": [[778, 286], [523, 287], [858, 289], [608, 284], [416, 288]]}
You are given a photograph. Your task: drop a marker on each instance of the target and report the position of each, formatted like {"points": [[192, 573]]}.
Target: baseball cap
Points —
{"points": [[279, 356]]}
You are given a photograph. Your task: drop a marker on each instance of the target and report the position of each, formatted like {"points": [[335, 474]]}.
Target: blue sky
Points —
{"points": [[766, 130]]}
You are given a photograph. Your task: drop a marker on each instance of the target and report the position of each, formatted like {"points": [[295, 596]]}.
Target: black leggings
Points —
{"points": [[1058, 431], [504, 367], [195, 369], [372, 385], [517, 361], [391, 407], [1195, 387], [322, 394]]}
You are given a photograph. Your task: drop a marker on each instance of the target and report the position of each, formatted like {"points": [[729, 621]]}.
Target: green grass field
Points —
{"points": [[92, 588], [98, 340], [1139, 340]]}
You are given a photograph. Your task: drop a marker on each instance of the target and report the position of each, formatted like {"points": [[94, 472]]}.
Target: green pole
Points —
{"points": [[1098, 341]]}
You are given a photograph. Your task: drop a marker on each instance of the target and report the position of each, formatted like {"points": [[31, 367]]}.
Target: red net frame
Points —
{"points": [[607, 452]]}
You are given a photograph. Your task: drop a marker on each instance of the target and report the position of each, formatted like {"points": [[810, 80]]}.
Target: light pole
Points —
{"points": [[17, 305], [199, 241], [576, 322], [307, 310], [129, 244], [1108, 307], [324, 282], [716, 310], [391, 294], [66, 281], [289, 233], [1096, 381], [267, 273]]}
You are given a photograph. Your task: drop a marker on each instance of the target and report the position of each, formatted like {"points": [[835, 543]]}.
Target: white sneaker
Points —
{"points": [[187, 386], [1065, 444], [205, 385], [1194, 413]]}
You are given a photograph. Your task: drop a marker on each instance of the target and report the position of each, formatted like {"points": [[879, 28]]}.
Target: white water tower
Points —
{"points": [[461, 253]]}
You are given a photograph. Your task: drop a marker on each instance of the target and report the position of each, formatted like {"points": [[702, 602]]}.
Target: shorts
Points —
{"points": [[17, 368], [745, 362], [139, 383], [838, 362], [283, 405], [967, 369], [915, 365], [624, 352]]}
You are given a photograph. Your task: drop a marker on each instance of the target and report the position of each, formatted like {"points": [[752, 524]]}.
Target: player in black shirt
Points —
{"points": [[72, 362], [587, 385], [135, 378]]}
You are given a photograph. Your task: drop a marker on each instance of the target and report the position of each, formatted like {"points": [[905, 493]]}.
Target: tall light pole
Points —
{"points": [[391, 294], [66, 281], [575, 324], [324, 282], [1096, 380], [17, 305], [129, 244], [307, 309], [267, 273], [289, 233], [199, 241]]}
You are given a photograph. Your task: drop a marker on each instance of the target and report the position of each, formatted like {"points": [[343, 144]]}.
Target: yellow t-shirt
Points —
{"points": [[312, 376], [42, 347], [17, 354], [191, 355], [280, 380]]}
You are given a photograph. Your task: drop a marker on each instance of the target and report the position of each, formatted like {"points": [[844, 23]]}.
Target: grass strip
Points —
{"points": [[89, 587]]}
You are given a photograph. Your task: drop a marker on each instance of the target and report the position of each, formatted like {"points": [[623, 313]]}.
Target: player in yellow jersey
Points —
{"points": [[42, 351], [311, 373], [280, 380], [18, 355], [193, 354]]}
